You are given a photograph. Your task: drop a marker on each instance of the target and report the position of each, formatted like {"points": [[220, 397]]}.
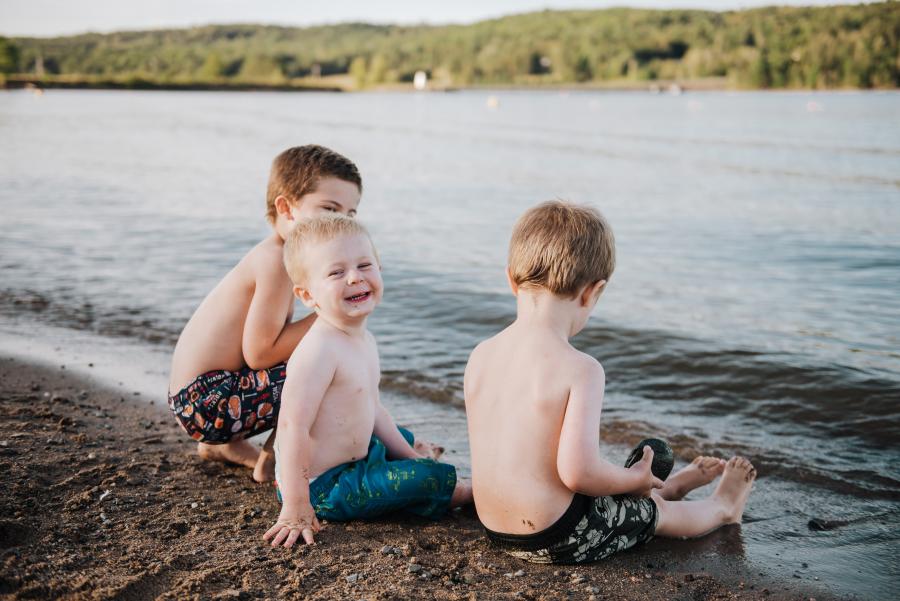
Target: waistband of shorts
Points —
{"points": [[548, 537]]}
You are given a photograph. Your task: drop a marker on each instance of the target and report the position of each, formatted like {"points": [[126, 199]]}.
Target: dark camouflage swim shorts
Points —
{"points": [[590, 529]]}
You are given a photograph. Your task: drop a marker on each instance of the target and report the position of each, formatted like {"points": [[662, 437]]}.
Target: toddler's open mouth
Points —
{"points": [[359, 298]]}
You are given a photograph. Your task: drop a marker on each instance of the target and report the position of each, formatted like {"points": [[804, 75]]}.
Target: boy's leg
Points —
{"points": [[462, 493], [701, 471], [680, 519], [264, 465], [240, 452]]}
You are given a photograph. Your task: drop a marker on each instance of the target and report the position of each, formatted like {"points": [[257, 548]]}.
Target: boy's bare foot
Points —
{"points": [[429, 449], [734, 488], [264, 469], [239, 452], [701, 471]]}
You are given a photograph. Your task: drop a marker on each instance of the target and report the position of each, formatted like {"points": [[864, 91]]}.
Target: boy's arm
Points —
{"points": [[267, 340], [578, 460], [309, 375], [386, 430]]}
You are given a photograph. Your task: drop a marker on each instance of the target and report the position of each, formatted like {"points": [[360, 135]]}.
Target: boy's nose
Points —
{"points": [[353, 276]]}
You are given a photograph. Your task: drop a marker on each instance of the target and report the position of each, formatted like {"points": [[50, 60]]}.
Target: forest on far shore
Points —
{"points": [[850, 46]]}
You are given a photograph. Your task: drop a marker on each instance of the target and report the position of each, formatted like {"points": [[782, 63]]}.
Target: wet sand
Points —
{"points": [[103, 497]]}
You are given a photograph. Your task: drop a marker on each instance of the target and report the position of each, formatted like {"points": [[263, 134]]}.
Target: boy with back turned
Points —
{"points": [[533, 404]]}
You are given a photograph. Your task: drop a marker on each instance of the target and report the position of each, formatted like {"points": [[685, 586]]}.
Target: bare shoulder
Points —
{"points": [[266, 258], [585, 369], [481, 352], [317, 348]]}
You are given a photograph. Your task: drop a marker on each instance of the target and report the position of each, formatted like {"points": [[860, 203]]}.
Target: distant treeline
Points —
{"points": [[853, 46]]}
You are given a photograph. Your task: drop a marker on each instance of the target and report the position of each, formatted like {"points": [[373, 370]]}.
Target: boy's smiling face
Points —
{"points": [[343, 278]]}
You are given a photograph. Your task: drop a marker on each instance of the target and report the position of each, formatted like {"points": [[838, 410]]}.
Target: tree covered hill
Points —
{"points": [[775, 47]]}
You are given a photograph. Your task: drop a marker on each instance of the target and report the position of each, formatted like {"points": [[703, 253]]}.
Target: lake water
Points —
{"points": [[755, 307]]}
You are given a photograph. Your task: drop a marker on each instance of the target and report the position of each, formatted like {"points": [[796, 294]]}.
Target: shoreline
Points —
{"points": [[660, 87], [104, 497]]}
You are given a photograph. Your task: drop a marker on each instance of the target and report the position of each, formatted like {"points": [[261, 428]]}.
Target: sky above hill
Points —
{"points": [[61, 17]]}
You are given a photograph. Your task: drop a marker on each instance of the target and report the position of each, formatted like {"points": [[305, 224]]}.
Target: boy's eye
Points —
{"points": [[334, 273], [330, 209], [365, 265]]}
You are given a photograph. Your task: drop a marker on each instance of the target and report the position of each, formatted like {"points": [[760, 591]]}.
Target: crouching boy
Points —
{"points": [[339, 454], [533, 402], [228, 366]]}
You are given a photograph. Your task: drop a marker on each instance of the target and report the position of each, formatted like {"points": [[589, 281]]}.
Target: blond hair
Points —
{"points": [[561, 247], [297, 171], [318, 229]]}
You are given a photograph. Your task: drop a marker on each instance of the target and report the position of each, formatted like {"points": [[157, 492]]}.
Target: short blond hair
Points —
{"points": [[318, 229], [561, 247]]}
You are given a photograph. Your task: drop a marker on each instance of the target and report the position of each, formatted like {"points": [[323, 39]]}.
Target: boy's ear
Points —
{"points": [[283, 207], [512, 283], [305, 297], [592, 292]]}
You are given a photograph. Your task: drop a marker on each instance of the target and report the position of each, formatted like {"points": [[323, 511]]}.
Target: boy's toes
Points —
{"points": [[751, 475], [716, 465]]}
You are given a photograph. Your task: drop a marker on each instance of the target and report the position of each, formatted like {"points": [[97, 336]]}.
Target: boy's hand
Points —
{"points": [[647, 480], [291, 525]]}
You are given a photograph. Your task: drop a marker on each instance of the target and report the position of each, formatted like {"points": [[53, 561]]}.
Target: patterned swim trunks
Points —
{"points": [[376, 485], [221, 405], [590, 529]]}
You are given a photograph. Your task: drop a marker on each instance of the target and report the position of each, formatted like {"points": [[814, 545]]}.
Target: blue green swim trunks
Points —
{"points": [[376, 485]]}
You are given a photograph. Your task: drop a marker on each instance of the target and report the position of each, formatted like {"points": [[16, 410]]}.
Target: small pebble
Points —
{"points": [[195, 505], [92, 455], [414, 568], [519, 573], [352, 578], [387, 550]]}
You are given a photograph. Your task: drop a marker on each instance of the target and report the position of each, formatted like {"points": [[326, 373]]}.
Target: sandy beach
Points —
{"points": [[104, 498]]}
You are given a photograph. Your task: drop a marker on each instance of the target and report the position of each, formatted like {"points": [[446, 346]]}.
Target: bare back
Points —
{"points": [[517, 389], [212, 338]]}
